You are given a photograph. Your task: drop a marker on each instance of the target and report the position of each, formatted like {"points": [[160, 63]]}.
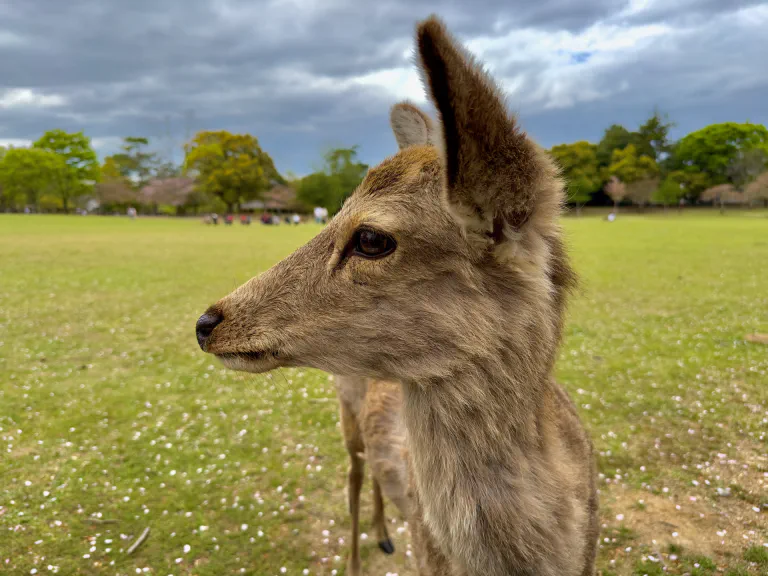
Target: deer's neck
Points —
{"points": [[474, 440], [483, 412]]}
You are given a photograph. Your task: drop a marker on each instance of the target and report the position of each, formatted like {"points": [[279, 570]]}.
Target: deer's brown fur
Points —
{"points": [[466, 313]]}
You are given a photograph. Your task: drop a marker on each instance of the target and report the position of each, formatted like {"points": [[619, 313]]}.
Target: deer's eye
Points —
{"points": [[372, 244]]}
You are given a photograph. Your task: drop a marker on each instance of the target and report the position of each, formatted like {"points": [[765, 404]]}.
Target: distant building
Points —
{"points": [[279, 199]]}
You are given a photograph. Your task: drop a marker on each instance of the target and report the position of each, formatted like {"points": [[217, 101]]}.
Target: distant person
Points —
{"points": [[296, 219], [245, 219], [215, 218], [611, 217], [266, 218], [229, 219], [318, 214], [131, 212]]}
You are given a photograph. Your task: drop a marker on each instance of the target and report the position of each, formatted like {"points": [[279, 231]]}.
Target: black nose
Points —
{"points": [[205, 325]]}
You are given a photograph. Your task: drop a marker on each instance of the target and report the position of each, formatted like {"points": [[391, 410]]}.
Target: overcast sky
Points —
{"points": [[303, 75]]}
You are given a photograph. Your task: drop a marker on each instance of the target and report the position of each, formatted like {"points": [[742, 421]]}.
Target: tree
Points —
{"points": [[616, 190], [27, 174], [638, 172], [721, 194], [330, 186], [80, 160], [716, 149], [3, 205], [747, 165], [669, 192], [232, 167], [629, 167], [167, 169], [615, 138], [168, 191], [757, 190], [691, 180], [114, 187], [580, 170], [134, 163], [75, 148], [641, 191], [652, 138]]}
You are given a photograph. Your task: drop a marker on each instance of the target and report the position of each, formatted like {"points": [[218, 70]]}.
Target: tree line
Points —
{"points": [[726, 162], [721, 163], [220, 171]]}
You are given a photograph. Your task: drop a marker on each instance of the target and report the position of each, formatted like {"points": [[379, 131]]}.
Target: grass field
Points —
{"points": [[112, 420]]}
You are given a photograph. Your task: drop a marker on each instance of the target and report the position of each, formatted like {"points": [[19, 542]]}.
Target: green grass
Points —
{"points": [[112, 420]]}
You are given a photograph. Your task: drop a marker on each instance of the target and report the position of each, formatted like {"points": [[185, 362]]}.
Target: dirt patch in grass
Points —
{"points": [[699, 526]]}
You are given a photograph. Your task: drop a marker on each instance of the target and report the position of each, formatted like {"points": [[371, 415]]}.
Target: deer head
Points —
{"points": [[447, 252]]}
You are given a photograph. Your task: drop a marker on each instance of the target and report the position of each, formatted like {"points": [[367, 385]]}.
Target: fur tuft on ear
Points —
{"points": [[494, 174], [412, 127]]}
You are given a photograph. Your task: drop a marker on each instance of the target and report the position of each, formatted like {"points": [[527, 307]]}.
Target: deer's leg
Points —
{"points": [[355, 483], [380, 521], [355, 447]]}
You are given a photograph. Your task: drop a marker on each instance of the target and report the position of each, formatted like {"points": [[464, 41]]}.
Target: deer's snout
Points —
{"points": [[205, 325]]}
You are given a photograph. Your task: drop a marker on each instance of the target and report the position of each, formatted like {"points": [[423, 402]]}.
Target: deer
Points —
{"points": [[446, 272], [371, 422]]}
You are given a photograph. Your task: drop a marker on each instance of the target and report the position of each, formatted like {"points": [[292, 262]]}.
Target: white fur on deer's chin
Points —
{"points": [[245, 364]]}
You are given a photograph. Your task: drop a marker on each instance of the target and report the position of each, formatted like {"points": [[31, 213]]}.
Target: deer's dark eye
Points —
{"points": [[372, 244]]}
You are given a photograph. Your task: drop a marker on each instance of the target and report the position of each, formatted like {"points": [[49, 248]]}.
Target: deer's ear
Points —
{"points": [[412, 127], [492, 170]]}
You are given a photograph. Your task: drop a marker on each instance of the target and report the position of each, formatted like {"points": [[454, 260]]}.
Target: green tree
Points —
{"points": [[692, 180], [717, 149], [167, 169], [638, 172], [27, 174], [134, 162], [580, 170], [232, 167], [330, 186], [669, 192], [616, 137], [747, 165], [630, 167], [80, 158], [652, 138]]}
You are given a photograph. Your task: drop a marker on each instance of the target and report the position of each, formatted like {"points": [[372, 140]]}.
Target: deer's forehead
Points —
{"points": [[400, 172]]}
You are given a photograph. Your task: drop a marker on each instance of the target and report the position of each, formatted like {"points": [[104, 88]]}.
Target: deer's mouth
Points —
{"points": [[253, 361], [252, 355]]}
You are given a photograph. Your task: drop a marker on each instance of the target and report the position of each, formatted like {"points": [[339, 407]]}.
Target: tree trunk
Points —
{"points": [[578, 210], [722, 207], [615, 206], [65, 203]]}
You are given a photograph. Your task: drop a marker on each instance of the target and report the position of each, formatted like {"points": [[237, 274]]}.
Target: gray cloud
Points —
{"points": [[284, 69]]}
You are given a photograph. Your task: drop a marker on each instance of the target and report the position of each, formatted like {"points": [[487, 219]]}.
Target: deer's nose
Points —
{"points": [[205, 325]]}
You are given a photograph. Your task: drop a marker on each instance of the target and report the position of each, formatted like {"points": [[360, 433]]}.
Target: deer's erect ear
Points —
{"points": [[492, 169], [412, 127]]}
